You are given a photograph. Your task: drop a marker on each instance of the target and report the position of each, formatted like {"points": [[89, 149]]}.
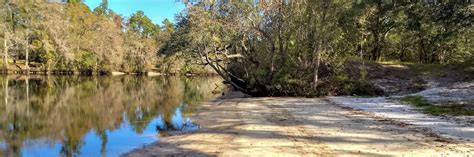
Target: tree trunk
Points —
{"points": [[5, 52], [402, 52], [316, 69], [280, 38], [319, 45], [379, 34], [421, 49], [433, 57], [222, 74], [272, 62], [376, 46], [27, 68], [96, 67], [7, 108], [27, 80], [48, 71]]}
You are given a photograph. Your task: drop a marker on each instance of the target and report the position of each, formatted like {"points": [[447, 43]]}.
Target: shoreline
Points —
{"points": [[290, 126], [112, 73]]}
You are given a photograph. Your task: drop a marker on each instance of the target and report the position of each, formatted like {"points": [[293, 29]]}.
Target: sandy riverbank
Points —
{"points": [[299, 126]]}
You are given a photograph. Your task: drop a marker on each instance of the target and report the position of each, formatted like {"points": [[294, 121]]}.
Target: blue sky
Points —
{"points": [[156, 10]]}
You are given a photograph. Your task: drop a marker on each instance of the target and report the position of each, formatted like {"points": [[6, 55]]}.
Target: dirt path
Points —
{"points": [[301, 127]]}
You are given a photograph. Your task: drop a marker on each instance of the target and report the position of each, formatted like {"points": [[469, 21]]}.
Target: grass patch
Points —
{"points": [[417, 101], [452, 109], [395, 62]]}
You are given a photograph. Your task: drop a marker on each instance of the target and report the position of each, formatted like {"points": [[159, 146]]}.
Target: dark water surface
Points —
{"points": [[95, 116]]}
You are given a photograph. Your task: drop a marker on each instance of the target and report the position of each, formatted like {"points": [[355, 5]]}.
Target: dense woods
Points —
{"points": [[260, 48], [301, 47], [71, 38]]}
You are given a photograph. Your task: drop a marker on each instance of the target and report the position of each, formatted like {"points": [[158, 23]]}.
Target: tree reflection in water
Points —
{"points": [[65, 116]]}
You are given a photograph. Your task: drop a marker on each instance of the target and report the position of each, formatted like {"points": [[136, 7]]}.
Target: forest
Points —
{"points": [[300, 48], [60, 38], [236, 78]]}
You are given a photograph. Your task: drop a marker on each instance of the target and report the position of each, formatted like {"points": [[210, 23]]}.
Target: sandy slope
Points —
{"points": [[391, 109], [299, 127]]}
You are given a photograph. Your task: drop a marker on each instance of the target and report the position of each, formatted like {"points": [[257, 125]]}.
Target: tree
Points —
{"points": [[377, 21], [260, 47], [257, 47], [103, 9], [6, 28], [168, 26], [139, 23]]}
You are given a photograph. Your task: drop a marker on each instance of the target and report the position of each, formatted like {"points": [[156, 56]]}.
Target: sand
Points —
{"points": [[237, 126]]}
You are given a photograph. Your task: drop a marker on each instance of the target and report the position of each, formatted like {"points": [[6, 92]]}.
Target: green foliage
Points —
{"points": [[453, 109], [168, 26], [69, 37], [74, 1], [418, 101], [139, 23], [262, 48], [448, 108], [299, 48], [85, 61], [103, 8]]}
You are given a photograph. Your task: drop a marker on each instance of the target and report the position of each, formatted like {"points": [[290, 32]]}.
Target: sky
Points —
{"points": [[156, 10]]}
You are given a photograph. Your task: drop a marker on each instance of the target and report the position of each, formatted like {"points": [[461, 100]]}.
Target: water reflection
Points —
{"points": [[94, 116]]}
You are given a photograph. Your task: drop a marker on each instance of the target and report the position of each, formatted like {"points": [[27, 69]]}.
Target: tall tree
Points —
{"points": [[6, 28], [103, 9], [141, 24]]}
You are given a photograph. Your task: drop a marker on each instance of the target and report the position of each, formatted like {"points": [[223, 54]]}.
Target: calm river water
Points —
{"points": [[95, 116]]}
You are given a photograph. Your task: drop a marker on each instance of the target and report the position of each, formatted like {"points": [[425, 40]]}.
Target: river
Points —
{"points": [[95, 116]]}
